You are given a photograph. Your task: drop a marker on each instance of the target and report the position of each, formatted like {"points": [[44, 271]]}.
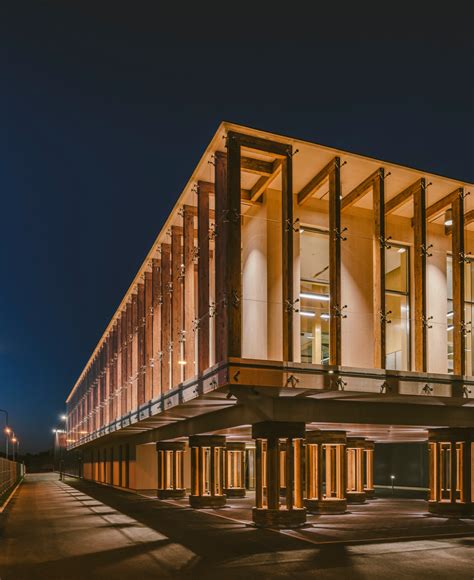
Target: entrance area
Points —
{"points": [[281, 474]]}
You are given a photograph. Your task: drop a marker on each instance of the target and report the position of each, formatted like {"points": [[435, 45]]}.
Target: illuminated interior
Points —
{"points": [[235, 469], [397, 306], [314, 296], [355, 453], [468, 312]]}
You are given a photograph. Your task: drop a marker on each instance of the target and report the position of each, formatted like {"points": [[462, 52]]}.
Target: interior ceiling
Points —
{"points": [[376, 433]]}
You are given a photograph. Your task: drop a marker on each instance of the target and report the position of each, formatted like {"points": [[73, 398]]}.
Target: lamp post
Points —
{"points": [[7, 431], [58, 451], [392, 477], [14, 441]]}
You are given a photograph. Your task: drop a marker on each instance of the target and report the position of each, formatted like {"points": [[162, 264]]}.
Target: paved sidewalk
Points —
{"points": [[79, 530]]}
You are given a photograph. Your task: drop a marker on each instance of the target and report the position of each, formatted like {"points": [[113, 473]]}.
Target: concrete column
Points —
{"points": [[271, 513], [369, 469], [325, 487], [170, 469], [207, 474], [451, 472]]}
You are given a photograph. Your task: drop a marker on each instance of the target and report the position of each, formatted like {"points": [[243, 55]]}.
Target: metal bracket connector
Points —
{"points": [[426, 321], [292, 381], [464, 257], [291, 305], [384, 317], [339, 384], [385, 388], [427, 389], [295, 226], [235, 298], [424, 250], [464, 328], [339, 311], [338, 233], [384, 242]]}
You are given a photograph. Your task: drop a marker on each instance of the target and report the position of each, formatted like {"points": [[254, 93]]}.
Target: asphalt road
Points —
{"points": [[78, 530]]}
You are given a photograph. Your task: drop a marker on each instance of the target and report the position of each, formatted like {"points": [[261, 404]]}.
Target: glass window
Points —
{"points": [[397, 305], [468, 312], [314, 296]]}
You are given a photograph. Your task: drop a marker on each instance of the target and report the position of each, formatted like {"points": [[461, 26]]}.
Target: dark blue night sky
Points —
{"points": [[104, 114]]}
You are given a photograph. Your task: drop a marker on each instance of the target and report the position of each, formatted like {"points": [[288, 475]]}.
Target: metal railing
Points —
{"points": [[10, 473]]}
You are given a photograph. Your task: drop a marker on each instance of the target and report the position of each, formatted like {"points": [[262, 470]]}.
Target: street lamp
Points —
{"points": [[14, 440], [392, 477]]}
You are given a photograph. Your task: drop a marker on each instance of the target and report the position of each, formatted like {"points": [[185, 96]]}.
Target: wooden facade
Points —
{"points": [[221, 310]]}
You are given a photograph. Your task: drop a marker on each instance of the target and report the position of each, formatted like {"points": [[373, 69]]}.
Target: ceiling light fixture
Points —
{"points": [[310, 314], [312, 296]]}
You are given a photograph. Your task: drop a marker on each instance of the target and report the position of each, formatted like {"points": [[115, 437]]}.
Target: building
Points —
{"points": [[299, 304]]}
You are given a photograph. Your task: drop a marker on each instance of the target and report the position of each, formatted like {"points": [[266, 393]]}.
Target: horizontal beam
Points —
{"points": [[256, 166], [209, 188], [259, 144], [403, 197], [359, 191], [263, 183], [315, 183], [468, 217], [433, 211]]}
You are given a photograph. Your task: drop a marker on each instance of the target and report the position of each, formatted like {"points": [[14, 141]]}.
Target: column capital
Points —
{"points": [[170, 446]]}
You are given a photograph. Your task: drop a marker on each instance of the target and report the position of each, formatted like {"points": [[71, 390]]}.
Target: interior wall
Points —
{"points": [[254, 283], [146, 466], [274, 275]]}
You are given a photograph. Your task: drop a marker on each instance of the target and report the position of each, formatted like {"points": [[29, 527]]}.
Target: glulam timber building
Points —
{"points": [[300, 304]]}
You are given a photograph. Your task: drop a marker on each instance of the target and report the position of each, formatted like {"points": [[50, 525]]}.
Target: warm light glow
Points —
{"points": [[8, 430], [392, 477], [401, 250], [182, 362], [63, 417], [54, 430], [14, 439], [304, 313], [325, 316], [312, 296], [448, 222]]}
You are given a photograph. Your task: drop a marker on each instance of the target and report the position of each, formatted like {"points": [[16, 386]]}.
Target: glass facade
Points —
{"points": [[397, 305], [468, 312], [314, 296]]}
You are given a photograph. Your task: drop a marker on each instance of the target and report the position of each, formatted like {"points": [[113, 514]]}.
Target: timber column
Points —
{"points": [[355, 470], [207, 471], [451, 471], [170, 469], [234, 485], [326, 472], [369, 469], [269, 511]]}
